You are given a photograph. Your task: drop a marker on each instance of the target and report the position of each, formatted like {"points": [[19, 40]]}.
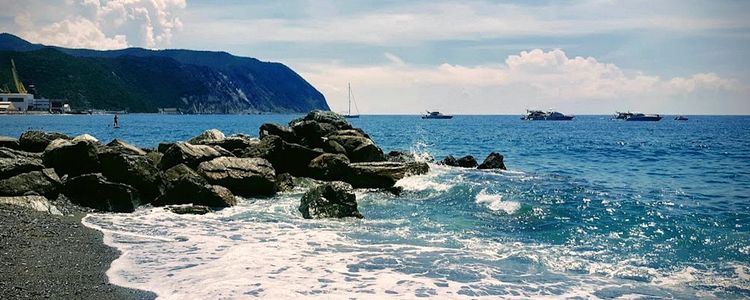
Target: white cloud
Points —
{"points": [[100, 24], [533, 78]]}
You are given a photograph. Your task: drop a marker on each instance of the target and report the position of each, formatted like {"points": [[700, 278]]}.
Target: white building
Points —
{"points": [[20, 101]]}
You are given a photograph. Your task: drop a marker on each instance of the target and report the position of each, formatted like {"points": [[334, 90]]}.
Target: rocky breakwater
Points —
{"points": [[208, 170]]}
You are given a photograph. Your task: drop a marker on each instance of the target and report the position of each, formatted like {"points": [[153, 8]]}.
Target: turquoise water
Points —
{"points": [[588, 208]]}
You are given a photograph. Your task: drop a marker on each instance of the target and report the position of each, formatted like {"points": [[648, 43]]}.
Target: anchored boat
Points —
{"points": [[436, 115], [631, 116], [349, 114], [681, 118], [538, 115]]}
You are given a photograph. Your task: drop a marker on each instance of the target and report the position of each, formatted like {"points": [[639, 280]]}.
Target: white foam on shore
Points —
{"points": [[262, 248], [496, 202]]}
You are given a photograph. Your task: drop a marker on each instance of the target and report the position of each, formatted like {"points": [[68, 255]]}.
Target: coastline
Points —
{"points": [[47, 256]]}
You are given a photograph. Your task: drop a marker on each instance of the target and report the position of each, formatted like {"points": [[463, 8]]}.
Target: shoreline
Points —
{"points": [[47, 256]]}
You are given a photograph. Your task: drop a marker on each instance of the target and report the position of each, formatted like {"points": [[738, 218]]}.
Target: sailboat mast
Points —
{"points": [[350, 98]]}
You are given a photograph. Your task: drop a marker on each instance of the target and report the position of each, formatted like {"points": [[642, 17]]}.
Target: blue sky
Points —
{"points": [[471, 57]]}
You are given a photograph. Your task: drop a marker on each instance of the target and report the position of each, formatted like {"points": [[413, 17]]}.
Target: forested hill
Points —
{"points": [[142, 80]]}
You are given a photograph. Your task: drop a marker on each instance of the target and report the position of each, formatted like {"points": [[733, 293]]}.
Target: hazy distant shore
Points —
{"points": [[46, 256]]}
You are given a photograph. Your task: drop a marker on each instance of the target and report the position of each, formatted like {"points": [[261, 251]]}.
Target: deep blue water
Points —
{"points": [[589, 208]]}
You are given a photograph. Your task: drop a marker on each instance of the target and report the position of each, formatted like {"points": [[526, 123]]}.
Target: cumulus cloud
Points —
{"points": [[100, 24], [535, 78]]}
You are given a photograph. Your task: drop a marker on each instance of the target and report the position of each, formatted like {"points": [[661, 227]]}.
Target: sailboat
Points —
{"points": [[351, 98]]}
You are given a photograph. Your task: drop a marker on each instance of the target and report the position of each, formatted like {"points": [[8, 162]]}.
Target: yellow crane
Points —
{"points": [[19, 85]]}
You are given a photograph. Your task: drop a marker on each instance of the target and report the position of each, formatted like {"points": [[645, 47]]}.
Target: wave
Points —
{"points": [[496, 202]]}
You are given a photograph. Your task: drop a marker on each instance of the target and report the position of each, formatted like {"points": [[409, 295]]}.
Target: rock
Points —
{"points": [[189, 209], [246, 177], [330, 146], [37, 141], [10, 167], [72, 158], [125, 148], [15, 154], [351, 132], [189, 154], [38, 203], [285, 157], [236, 142], [85, 137], [331, 200], [137, 171], [311, 133], [9, 142], [94, 191], [185, 186], [326, 117], [358, 148], [328, 166], [493, 161], [449, 161], [44, 182], [284, 182], [154, 157], [284, 132], [208, 136], [467, 162], [400, 156], [383, 174], [163, 147]]}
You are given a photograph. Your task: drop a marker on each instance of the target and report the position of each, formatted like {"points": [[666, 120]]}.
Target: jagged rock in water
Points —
{"points": [[329, 166], [449, 161], [190, 209], [9, 142], [10, 167], [284, 182], [359, 148], [284, 132], [246, 177], [72, 158], [185, 186], [311, 129], [493, 161], [37, 141], [330, 200], [191, 155], [38, 203], [137, 171], [400, 156], [95, 191], [208, 136], [383, 174], [124, 147], [43, 182], [467, 161]]}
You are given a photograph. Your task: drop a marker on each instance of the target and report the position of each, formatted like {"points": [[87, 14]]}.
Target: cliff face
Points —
{"points": [[143, 80]]}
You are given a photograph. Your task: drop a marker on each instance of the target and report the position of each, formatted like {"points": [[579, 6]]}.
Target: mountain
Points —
{"points": [[142, 80]]}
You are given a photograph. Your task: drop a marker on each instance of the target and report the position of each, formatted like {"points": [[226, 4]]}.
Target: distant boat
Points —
{"points": [[635, 116], [538, 115], [349, 114], [681, 118], [436, 115]]}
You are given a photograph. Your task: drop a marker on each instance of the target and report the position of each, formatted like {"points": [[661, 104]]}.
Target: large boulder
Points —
{"points": [[449, 161], [285, 157], [284, 132], [383, 174], [246, 177], [43, 182], [311, 129], [400, 156], [236, 143], [72, 158], [330, 200], [9, 142], [493, 161], [125, 148], [35, 202], [137, 171], [208, 136], [467, 162], [16, 154], [326, 117], [13, 166], [189, 154], [329, 166], [95, 191], [359, 148], [37, 141], [85, 137], [185, 186]]}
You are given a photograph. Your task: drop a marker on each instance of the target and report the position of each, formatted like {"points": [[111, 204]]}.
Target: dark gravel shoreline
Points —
{"points": [[47, 256]]}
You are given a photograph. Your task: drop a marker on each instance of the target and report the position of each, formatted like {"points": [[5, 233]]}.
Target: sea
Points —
{"points": [[589, 208]]}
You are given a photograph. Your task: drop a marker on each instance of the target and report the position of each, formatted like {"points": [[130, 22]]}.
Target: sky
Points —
{"points": [[459, 57]]}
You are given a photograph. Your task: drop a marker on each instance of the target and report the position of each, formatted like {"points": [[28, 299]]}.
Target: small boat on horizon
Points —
{"points": [[681, 118], [538, 115], [636, 116], [436, 115], [349, 114]]}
